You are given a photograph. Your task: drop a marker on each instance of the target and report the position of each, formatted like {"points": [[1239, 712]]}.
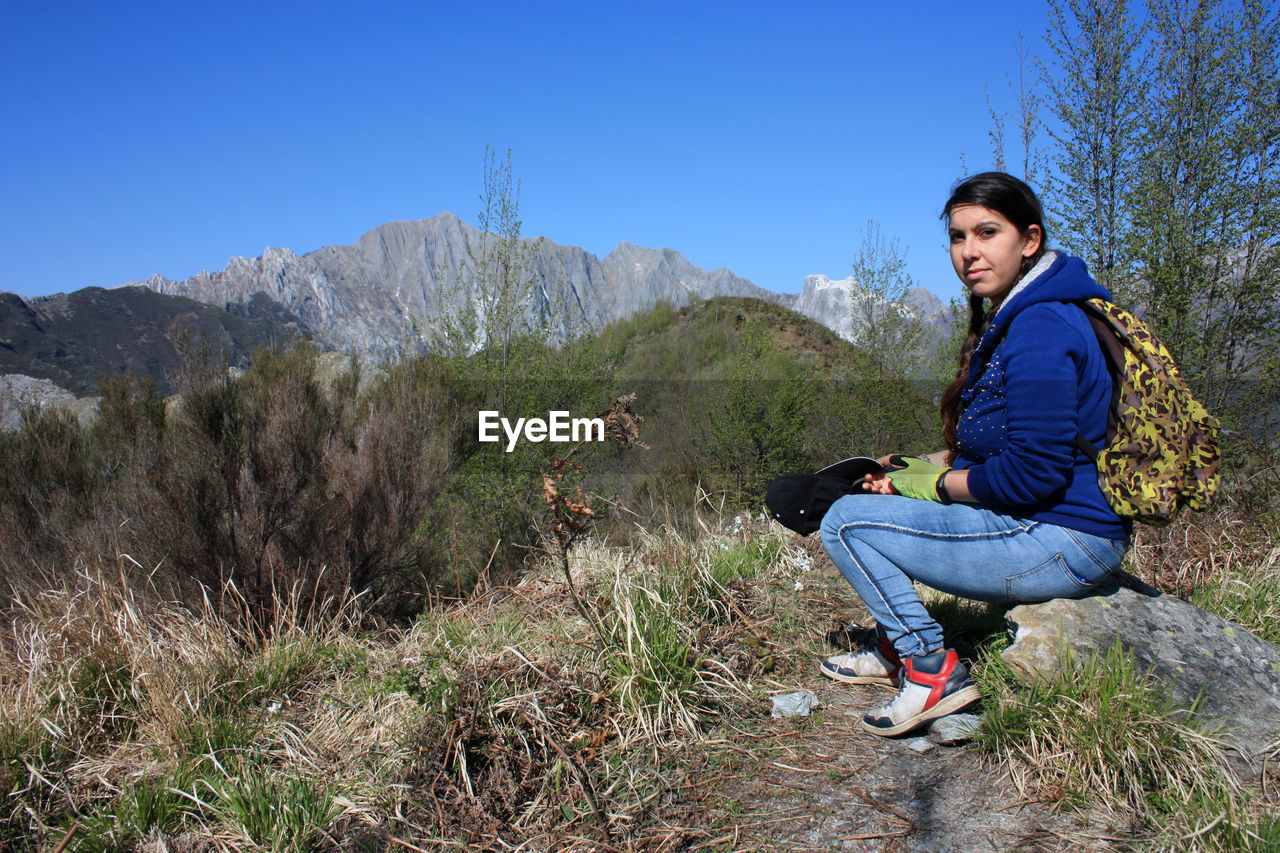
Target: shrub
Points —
{"points": [[386, 480], [47, 483], [252, 485]]}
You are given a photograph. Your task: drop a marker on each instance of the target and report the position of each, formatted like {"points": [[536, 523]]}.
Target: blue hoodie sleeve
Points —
{"points": [[1043, 353]]}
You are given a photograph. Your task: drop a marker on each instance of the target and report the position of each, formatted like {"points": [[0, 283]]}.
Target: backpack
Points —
{"points": [[1161, 447]]}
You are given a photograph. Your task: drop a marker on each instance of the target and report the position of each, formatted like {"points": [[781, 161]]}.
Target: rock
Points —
{"points": [[798, 704], [1196, 654], [18, 391], [920, 745], [954, 729], [847, 308]]}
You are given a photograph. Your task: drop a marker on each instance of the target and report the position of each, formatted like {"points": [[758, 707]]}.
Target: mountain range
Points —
{"points": [[383, 296], [379, 296]]}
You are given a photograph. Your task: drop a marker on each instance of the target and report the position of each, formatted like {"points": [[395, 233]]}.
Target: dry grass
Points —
{"points": [[508, 720], [503, 720], [1226, 562]]}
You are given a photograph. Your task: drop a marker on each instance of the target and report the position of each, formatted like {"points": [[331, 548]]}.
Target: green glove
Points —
{"points": [[917, 478]]}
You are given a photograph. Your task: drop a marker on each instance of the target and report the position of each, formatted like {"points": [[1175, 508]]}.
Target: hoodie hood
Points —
{"points": [[1056, 278]]}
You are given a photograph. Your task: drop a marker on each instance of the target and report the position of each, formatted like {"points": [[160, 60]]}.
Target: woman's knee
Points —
{"points": [[837, 516], [832, 520]]}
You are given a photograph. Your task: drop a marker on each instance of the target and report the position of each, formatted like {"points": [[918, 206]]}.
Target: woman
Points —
{"points": [[1010, 511]]}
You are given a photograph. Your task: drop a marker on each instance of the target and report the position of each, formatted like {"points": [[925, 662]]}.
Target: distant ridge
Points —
{"points": [[75, 339], [375, 297]]}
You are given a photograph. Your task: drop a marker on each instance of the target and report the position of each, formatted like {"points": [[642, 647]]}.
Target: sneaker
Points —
{"points": [[933, 685], [872, 660]]}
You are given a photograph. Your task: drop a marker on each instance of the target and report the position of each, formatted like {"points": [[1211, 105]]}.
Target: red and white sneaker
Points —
{"points": [[933, 686], [872, 660]]}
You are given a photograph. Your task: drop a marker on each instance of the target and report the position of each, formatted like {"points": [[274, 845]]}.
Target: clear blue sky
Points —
{"points": [[167, 137]]}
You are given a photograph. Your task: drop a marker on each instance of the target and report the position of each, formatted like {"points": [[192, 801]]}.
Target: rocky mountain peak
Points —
{"points": [[376, 296], [381, 296]]}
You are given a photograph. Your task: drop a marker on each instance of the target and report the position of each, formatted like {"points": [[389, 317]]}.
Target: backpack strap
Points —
{"points": [[1113, 353], [1087, 447]]}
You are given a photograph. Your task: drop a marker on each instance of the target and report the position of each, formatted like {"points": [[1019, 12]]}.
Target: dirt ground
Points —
{"points": [[822, 784]]}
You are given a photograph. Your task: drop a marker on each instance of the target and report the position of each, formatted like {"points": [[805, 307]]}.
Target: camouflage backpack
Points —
{"points": [[1161, 448]]}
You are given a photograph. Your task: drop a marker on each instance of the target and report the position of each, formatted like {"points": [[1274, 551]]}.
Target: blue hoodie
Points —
{"points": [[1037, 378]]}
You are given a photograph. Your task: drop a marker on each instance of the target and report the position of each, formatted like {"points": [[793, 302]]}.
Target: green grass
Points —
{"points": [[277, 811], [652, 662], [744, 561], [1252, 602], [21, 744], [1100, 734], [653, 618], [144, 807], [272, 808], [214, 736], [27, 752], [280, 668]]}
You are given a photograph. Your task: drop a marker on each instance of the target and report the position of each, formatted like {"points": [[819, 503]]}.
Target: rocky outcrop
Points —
{"points": [[853, 312], [1199, 657], [19, 392], [845, 307], [834, 303]]}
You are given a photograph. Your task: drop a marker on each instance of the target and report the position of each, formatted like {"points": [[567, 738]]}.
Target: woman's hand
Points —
{"points": [[917, 478], [878, 484]]}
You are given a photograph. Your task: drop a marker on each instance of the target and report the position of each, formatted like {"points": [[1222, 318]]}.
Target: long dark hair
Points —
{"points": [[1015, 201]]}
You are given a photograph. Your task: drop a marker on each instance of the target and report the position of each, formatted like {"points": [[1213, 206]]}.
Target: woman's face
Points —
{"points": [[987, 250]]}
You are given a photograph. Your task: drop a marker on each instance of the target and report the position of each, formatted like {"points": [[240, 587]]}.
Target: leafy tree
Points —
{"points": [[1094, 90], [756, 420], [1166, 172], [893, 338], [1204, 205], [890, 332], [502, 328]]}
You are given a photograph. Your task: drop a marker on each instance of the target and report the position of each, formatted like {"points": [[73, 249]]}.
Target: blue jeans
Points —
{"points": [[882, 543]]}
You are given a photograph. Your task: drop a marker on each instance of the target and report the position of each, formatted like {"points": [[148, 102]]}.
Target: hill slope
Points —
{"points": [[75, 339]]}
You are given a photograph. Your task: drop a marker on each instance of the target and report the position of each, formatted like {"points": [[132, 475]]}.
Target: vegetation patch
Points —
{"points": [[1100, 735]]}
